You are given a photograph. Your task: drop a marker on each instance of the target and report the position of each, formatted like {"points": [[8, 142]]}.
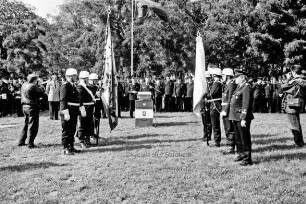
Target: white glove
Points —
{"points": [[83, 111], [243, 123], [66, 114], [223, 113]]}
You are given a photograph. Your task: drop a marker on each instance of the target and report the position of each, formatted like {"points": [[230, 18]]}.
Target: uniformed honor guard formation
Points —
{"points": [[232, 99]]}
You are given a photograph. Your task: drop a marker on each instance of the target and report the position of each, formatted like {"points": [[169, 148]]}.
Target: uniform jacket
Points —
{"points": [[257, 90], [53, 91], [215, 92], [120, 89], [84, 96], [30, 94], [179, 89], [189, 90], [159, 92], [168, 85], [268, 91], [68, 93], [146, 87], [228, 90], [296, 89], [133, 87], [241, 103]]}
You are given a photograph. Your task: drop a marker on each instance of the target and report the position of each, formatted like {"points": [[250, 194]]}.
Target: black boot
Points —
{"points": [[67, 151], [72, 149]]}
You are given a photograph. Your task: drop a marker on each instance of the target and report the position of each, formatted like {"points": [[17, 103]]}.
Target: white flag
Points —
{"points": [[200, 84]]}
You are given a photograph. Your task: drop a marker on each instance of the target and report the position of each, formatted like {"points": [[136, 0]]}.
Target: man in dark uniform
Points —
{"points": [[159, 91], [120, 92], [69, 108], [168, 86], [133, 89], [241, 114], [30, 94], [207, 128], [4, 98], [189, 95], [214, 96], [94, 88], [87, 102], [268, 96], [126, 94], [229, 87], [178, 92], [257, 103]]}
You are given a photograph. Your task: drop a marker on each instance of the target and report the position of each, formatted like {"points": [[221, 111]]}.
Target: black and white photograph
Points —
{"points": [[152, 101]]}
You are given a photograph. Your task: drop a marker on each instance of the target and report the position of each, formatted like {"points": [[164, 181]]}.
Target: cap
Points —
{"points": [[71, 71], [93, 76], [239, 72], [228, 72], [84, 74], [32, 77]]}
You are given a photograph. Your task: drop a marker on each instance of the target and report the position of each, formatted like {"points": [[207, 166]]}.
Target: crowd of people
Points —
{"points": [[231, 97]]}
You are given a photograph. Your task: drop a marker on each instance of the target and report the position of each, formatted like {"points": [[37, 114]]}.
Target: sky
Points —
{"points": [[44, 7]]}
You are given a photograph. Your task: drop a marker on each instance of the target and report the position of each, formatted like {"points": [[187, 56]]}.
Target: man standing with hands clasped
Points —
{"points": [[241, 114]]}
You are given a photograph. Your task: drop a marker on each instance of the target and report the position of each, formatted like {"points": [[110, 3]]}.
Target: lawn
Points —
{"points": [[166, 164]]}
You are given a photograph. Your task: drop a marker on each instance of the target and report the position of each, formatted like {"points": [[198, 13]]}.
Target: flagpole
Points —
{"points": [[132, 38]]}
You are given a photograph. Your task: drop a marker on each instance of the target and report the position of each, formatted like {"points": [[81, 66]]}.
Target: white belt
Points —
{"points": [[98, 99], [73, 104], [88, 104], [215, 99], [223, 104]]}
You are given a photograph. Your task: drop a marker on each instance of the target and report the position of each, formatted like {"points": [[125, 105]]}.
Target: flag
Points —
{"points": [[110, 95], [145, 8], [200, 84], [194, 1]]}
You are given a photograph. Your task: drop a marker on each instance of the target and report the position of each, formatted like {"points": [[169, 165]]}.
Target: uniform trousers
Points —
{"points": [[229, 132], [207, 128], [69, 127], [53, 109], [243, 139], [85, 126], [215, 123]]}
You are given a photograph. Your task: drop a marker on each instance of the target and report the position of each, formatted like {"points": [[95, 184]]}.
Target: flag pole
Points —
{"points": [[132, 38]]}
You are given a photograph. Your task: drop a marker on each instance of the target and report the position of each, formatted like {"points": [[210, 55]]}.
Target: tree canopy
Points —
{"points": [[261, 36]]}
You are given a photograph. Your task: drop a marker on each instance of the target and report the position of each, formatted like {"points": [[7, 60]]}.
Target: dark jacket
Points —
{"points": [[228, 90], [131, 88], [84, 96], [179, 89], [159, 90], [257, 90], [68, 93], [296, 88], [241, 103], [189, 90], [168, 85], [30, 94], [215, 92]]}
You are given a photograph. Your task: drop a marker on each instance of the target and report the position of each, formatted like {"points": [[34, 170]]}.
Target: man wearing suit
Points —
{"points": [[189, 95], [133, 89], [69, 107], [241, 114], [257, 103], [53, 92], [229, 87], [159, 91], [268, 96], [168, 86], [178, 91]]}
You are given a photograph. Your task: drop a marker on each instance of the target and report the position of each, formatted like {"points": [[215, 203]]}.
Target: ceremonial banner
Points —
{"points": [[200, 85], [147, 8], [110, 95]]}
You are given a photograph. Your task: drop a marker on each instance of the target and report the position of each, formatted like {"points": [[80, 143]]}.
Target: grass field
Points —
{"points": [[166, 164]]}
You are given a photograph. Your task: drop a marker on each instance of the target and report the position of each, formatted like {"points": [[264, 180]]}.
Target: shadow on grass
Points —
{"points": [[262, 135], [271, 140], [30, 166], [288, 156], [141, 142], [174, 123], [143, 136], [123, 148], [274, 147]]}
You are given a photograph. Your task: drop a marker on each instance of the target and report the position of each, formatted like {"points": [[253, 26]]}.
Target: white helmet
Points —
{"points": [[217, 71], [228, 72], [83, 74], [71, 71], [93, 76], [207, 74]]}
